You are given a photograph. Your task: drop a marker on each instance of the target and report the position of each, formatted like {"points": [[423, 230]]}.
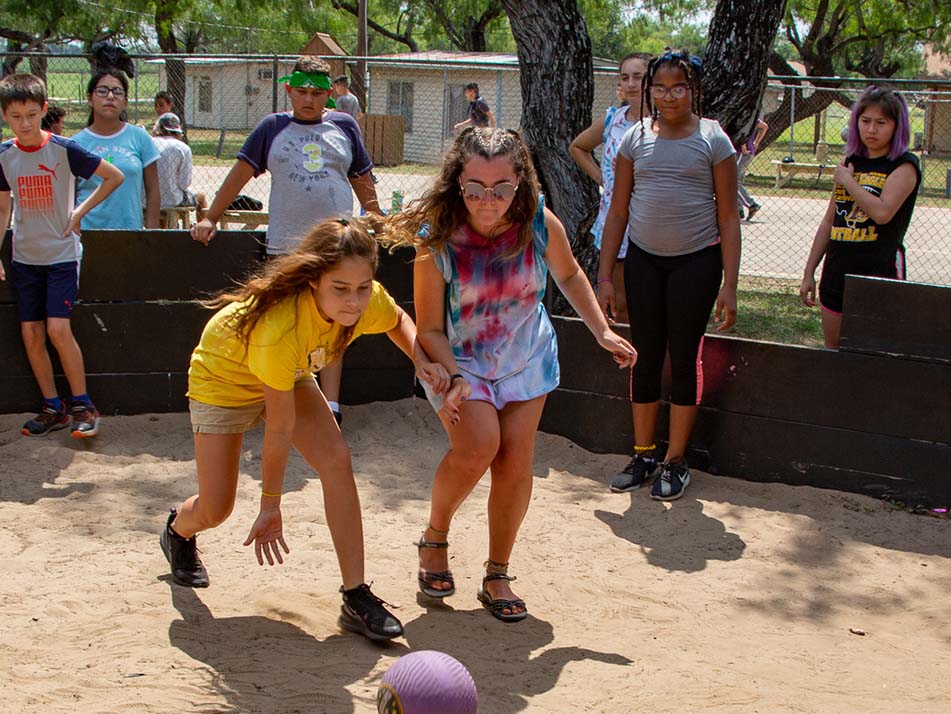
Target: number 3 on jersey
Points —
{"points": [[313, 161]]}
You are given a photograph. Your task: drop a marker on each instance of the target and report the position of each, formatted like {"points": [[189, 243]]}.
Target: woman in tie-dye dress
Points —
{"points": [[485, 244]]}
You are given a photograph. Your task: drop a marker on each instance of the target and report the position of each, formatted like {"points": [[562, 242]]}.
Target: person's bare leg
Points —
{"points": [[511, 490], [34, 341], [831, 328], [473, 444], [70, 356], [318, 439], [217, 458]]}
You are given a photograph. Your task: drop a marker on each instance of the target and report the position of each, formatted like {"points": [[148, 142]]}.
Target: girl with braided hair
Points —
{"points": [[681, 250], [485, 245]]}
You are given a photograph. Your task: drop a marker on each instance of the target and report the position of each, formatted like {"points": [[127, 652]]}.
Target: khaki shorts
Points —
{"points": [[211, 419]]}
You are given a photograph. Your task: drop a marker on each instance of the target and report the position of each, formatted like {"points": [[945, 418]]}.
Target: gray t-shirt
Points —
{"points": [[673, 210], [349, 104], [42, 183], [311, 164]]}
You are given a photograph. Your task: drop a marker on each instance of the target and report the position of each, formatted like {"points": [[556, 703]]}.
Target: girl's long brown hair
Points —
{"points": [[288, 275], [442, 209]]}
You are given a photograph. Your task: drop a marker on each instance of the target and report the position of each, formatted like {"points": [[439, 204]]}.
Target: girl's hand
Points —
{"points": [[204, 231], [807, 290], [624, 353], [843, 173], [266, 533], [459, 391], [605, 293], [73, 226], [725, 314], [435, 375]]}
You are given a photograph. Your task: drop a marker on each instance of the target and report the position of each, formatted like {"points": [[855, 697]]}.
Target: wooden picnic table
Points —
{"points": [[785, 170]]}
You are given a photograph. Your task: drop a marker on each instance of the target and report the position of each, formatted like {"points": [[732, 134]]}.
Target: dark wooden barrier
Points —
{"points": [[872, 418], [137, 322]]}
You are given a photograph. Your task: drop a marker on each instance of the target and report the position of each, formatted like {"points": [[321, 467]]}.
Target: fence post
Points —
{"points": [[274, 85], [792, 120]]}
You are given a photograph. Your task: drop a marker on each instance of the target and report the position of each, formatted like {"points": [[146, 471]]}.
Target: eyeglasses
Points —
{"points": [[677, 91], [117, 92], [476, 191]]}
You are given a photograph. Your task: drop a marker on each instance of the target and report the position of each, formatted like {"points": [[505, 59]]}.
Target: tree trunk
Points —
{"points": [[165, 13], [739, 44], [554, 53]]}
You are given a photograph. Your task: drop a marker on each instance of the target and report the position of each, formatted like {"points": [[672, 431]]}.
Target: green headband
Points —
{"points": [[312, 80]]}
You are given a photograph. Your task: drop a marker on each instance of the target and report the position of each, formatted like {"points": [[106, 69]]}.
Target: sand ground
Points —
{"points": [[741, 597]]}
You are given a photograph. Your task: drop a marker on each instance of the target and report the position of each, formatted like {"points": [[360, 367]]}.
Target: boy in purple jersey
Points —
{"points": [[38, 170]]}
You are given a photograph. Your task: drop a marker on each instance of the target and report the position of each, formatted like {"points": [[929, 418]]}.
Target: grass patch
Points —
{"points": [[770, 310]]}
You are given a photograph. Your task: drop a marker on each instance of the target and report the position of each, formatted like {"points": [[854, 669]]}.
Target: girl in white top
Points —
{"points": [[609, 131]]}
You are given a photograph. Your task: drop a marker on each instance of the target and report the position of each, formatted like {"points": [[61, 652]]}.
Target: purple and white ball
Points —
{"points": [[427, 682]]}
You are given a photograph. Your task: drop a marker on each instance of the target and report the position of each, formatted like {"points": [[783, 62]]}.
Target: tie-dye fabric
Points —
{"points": [[616, 125], [500, 333]]}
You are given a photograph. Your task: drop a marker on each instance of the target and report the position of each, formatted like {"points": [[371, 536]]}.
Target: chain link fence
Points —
{"points": [[413, 102]]}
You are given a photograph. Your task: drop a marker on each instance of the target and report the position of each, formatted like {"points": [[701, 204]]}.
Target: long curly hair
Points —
{"points": [[325, 247], [430, 221]]}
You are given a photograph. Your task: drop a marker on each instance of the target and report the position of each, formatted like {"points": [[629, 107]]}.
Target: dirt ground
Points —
{"points": [[741, 597]]}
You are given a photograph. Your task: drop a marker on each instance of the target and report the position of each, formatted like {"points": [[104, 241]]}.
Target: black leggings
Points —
{"points": [[669, 300]]}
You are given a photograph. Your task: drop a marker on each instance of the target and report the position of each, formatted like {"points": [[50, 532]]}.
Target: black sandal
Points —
{"points": [[427, 578], [497, 606]]}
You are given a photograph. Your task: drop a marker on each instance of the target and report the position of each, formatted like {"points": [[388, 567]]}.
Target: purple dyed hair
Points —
{"points": [[893, 105]]}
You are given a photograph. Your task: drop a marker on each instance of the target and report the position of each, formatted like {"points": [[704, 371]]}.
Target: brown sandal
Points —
{"points": [[428, 578]]}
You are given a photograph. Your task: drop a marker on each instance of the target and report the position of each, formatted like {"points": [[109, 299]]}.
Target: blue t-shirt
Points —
{"points": [[310, 163], [40, 179], [130, 150]]}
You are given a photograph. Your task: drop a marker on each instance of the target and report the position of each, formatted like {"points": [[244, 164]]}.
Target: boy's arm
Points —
{"points": [[153, 198], [240, 174], [4, 222], [366, 193], [112, 178]]}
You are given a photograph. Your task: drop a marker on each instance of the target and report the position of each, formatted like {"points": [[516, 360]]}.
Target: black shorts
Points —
{"points": [[832, 284], [43, 291]]}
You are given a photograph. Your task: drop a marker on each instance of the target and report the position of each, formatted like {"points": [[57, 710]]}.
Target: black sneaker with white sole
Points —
{"points": [[634, 475], [363, 612], [672, 482], [182, 555]]}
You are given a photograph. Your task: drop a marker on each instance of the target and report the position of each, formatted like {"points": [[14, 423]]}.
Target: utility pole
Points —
{"points": [[360, 78]]}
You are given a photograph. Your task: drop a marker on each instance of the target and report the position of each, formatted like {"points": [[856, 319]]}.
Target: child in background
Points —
{"points": [[37, 169], [53, 120], [485, 243], [164, 104], [175, 166], [256, 358], [680, 250], [876, 187], [126, 146], [744, 158], [609, 131]]}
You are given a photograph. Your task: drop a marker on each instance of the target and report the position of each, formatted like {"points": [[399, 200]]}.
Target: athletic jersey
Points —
{"points": [[40, 179], [495, 320], [310, 163], [174, 169], [673, 208], [290, 342], [858, 244], [130, 150]]}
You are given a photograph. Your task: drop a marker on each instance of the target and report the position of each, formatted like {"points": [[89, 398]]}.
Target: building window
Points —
{"points": [[204, 94], [400, 101]]}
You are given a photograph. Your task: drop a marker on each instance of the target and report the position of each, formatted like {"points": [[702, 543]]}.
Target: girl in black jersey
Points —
{"points": [[863, 229]]}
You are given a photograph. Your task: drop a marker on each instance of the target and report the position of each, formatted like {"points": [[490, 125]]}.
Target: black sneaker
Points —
{"points": [[363, 612], [85, 420], [672, 482], [182, 555], [50, 419], [634, 475], [338, 416]]}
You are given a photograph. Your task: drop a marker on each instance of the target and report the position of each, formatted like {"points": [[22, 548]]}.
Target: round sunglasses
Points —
{"points": [[477, 192]]}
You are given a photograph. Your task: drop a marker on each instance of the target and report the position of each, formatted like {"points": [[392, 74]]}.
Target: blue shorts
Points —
{"points": [[43, 291]]}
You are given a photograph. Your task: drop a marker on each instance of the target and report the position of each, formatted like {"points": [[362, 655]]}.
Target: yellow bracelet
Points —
{"points": [[270, 495]]}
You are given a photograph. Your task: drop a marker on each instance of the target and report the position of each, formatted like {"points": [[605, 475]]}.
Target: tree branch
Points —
{"points": [[405, 38]]}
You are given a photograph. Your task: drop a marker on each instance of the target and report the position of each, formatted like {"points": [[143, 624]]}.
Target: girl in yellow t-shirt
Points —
{"points": [[257, 358]]}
